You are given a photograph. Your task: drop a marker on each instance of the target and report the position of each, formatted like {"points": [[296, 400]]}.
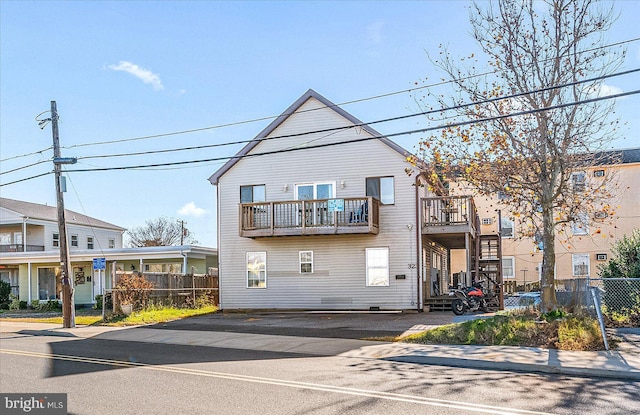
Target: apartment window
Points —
{"points": [[381, 188], [508, 267], [580, 224], [578, 181], [49, 285], [306, 262], [74, 241], [253, 193], [256, 270], [89, 242], [56, 240], [377, 263], [112, 243], [506, 228], [580, 263], [503, 195]]}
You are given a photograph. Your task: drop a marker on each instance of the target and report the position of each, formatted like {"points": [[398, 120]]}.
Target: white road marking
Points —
{"points": [[288, 383]]}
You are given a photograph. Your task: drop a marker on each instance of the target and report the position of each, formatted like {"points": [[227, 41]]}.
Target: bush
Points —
{"points": [[133, 289], [5, 292], [15, 303], [98, 304]]}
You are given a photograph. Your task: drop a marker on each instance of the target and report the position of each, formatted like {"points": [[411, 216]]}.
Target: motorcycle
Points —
{"points": [[472, 299]]}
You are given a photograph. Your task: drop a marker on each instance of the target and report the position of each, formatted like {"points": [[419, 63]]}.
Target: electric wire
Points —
{"points": [[372, 137], [363, 124], [24, 167], [384, 95]]}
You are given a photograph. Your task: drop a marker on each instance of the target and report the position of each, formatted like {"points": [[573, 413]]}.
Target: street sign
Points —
{"points": [[336, 205], [99, 263]]}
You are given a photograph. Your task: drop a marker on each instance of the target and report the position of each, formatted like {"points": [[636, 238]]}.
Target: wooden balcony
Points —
{"points": [[310, 217], [447, 219]]}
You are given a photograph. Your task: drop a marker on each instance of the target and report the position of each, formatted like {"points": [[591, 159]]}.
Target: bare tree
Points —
{"points": [[529, 127], [162, 231]]}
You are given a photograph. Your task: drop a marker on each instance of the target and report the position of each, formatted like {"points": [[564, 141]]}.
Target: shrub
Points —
{"points": [[15, 303], [5, 292], [134, 289], [98, 304]]}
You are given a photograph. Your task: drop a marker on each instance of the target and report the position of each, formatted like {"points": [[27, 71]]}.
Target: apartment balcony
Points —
{"points": [[310, 217], [447, 219], [21, 248]]}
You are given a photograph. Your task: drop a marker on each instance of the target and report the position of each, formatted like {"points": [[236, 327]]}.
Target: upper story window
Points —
{"points": [[506, 226], [253, 193], [381, 188], [89, 242], [578, 181], [580, 224], [311, 191], [56, 240], [74, 241], [112, 243]]}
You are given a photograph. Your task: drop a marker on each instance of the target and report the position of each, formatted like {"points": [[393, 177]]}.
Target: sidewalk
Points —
{"points": [[623, 363]]}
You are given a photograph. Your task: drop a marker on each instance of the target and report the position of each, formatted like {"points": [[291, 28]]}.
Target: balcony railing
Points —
{"points": [[448, 214], [20, 248], [310, 217]]}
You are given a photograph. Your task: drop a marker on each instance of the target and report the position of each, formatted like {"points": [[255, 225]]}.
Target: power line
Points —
{"points": [[24, 167], [316, 109], [409, 132], [362, 124], [26, 155]]}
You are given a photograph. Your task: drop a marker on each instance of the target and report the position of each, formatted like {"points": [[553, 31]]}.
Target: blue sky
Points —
{"points": [[126, 69]]}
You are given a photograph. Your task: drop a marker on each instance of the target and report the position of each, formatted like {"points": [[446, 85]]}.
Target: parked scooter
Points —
{"points": [[472, 299]]}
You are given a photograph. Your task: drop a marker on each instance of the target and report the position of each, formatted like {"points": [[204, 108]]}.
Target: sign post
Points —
{"points": [[100, 264]]}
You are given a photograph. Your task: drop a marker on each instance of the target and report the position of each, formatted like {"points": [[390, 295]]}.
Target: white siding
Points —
{"points": [[338, 281]]}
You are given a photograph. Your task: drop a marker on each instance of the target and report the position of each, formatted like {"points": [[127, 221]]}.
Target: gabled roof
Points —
{"points": [[288, 112], [50, 213], [620, 156]]}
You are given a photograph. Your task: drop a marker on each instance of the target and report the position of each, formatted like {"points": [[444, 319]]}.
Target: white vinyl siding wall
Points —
{"points": [[339, 269]]}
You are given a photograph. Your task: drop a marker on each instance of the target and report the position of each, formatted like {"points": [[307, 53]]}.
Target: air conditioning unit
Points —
{"points": [[487, 221], [601, 257], [601, 214], [598, 173]]}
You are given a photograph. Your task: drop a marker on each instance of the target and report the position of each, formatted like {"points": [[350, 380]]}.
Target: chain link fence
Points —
{"points": [[618, 299]]}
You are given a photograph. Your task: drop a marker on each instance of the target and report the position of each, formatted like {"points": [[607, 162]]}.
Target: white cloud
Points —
{"points": [[143, 74], [190, 209], [603, 90]]}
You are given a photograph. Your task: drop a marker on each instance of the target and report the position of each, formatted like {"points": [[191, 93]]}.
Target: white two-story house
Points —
{"points": [[317, 212], [30, 253]]}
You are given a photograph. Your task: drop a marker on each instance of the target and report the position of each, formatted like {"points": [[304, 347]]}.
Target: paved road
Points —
{"points": [[130, 377]]}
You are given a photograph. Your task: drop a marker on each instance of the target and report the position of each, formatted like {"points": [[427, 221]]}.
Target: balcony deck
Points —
{"points": [[447, 219], [310, 217]]}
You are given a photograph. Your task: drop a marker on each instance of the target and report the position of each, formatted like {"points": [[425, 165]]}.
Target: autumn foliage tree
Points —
{"points": [[530, 125]]}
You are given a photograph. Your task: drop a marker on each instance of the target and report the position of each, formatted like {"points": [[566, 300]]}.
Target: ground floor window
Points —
{"points": [[49, 283], [377, 260], [306, 262], [580, 263], [256, 270], [508, 267], [11, 276]]}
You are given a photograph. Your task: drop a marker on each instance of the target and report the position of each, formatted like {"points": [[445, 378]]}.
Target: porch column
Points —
{"points": [[29, 281]]}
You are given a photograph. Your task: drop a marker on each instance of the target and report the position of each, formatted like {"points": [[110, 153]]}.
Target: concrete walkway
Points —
{"points": [[622, 363]]}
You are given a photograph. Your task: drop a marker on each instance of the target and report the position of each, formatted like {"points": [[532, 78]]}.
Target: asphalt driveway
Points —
{"points": [[348, 325]]}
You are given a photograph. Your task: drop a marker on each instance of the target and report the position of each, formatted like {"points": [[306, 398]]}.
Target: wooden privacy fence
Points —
{"points": [[168, 289]]}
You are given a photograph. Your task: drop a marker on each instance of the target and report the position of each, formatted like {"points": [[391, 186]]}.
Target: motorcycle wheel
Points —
{"points": [[457, 306]]}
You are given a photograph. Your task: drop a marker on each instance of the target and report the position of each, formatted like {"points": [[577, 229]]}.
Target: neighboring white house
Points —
{"points": [[317, 212], [30, 253]]}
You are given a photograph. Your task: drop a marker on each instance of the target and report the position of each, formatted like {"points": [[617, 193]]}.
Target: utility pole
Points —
{"points": [[68, 319], [182, 232]]}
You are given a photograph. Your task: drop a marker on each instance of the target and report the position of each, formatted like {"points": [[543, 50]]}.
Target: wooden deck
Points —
{"points": [[310, 217]]}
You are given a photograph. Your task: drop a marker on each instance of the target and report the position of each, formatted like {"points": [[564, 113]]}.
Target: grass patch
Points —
{"points": [[518, 329], [151, 315]]}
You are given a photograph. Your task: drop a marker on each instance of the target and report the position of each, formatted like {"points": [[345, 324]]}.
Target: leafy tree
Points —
{"points": [[621, 296], [162, 231], [526, 127]]}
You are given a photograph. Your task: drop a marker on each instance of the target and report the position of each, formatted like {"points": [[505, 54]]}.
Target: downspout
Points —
{"points": [[419, 302], [184, 261]]}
